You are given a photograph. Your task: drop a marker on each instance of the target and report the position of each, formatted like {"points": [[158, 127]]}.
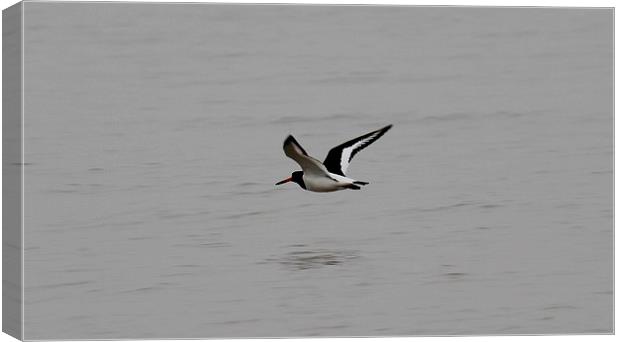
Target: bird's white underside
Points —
{"points": [[326, 183]]}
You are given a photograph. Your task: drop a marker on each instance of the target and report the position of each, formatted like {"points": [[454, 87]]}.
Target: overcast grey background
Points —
{"points": [[153, 141]]}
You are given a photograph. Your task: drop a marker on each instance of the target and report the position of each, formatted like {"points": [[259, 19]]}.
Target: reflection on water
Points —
{"points": [[307, 259]]}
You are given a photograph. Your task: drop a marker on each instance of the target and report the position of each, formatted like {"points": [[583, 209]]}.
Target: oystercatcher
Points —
{"points": [[329, 175]]}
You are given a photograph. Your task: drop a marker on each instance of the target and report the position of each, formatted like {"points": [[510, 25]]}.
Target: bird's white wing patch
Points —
{"points": [[345, 158]]}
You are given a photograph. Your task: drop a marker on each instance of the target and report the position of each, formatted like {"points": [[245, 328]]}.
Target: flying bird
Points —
{"points": [[329, 175]]}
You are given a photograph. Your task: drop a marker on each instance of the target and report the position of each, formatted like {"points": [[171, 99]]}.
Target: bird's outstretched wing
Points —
{"points": [[309, 165], [339, 157]]}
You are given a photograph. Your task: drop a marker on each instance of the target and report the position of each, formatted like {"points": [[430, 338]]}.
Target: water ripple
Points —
{"points": [[310, 259]]}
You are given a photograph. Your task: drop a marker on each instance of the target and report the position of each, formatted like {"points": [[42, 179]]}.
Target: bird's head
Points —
{"points": [[296, 177]]}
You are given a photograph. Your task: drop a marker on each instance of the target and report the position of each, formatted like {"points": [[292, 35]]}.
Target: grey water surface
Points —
{"points": [[153, 140]]}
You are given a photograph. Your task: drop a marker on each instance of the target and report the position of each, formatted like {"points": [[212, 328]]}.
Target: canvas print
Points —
{"points": [[193, 170]]}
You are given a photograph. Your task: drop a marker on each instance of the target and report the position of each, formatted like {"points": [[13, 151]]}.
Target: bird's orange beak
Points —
{"points": [[285, 181]]}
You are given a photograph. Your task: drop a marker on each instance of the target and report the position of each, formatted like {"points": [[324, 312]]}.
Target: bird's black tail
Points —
{"points": [[360, 183]]}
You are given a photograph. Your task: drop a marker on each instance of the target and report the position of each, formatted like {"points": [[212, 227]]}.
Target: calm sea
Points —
{"points": [[153, 141]]}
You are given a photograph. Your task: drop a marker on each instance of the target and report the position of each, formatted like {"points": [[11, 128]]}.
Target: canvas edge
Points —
{"points": [[12, 168]]}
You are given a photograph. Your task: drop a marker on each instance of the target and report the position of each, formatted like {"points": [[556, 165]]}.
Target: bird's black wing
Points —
{"points": [[339, 157]]}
